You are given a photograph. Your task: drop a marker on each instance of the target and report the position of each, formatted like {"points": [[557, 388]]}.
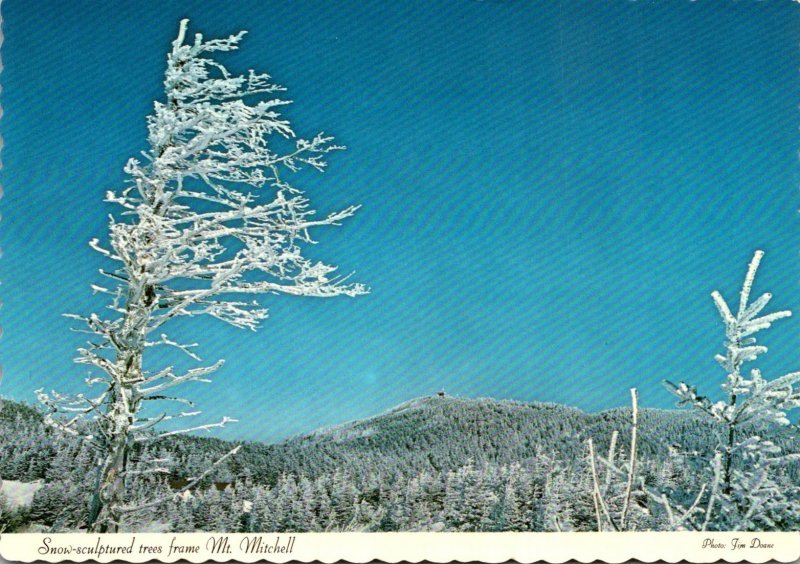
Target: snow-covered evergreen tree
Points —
{"points": [[512, 517], [305, 503], [182, 517], [555, 507], [742, 490], [206, 224]]}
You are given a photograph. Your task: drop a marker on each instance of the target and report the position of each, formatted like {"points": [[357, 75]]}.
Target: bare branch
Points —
{"points": [[632, 463]]}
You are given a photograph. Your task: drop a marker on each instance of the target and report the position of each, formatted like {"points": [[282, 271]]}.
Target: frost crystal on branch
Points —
{"points": [[207, 223]]}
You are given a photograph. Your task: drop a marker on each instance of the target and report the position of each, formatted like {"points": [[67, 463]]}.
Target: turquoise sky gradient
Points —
{"points": [[550, 192]]}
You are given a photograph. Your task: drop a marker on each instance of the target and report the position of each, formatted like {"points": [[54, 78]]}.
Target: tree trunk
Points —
{"points": [[727, 486], [112, 486], [110, 495], [123, 403]]}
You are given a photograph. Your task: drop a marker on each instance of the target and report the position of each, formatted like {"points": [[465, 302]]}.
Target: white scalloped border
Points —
{"points": [[555, 548], [407, 547]]}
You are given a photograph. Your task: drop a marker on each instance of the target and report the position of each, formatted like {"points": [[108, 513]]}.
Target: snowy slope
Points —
{"points": [[19, 493]]}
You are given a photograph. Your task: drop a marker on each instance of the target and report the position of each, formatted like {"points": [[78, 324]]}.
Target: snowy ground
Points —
{"points": [[19, 493]]}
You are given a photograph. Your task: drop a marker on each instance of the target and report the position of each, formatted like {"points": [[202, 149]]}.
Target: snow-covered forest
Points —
{"points": [[207, 216], [431, 464]]}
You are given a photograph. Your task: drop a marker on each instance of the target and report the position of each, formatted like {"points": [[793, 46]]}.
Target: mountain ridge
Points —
{"points": [[423, 434], [419, 402]]}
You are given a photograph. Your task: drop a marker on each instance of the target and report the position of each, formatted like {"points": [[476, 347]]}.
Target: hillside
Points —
{"points": [[432, 463], [430, 434], [441, 433]]}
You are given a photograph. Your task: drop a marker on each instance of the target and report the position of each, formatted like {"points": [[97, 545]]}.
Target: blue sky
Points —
{"points": [[550, 192]]}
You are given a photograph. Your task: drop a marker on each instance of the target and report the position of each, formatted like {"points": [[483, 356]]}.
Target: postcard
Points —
{"points": [[353, 281]]}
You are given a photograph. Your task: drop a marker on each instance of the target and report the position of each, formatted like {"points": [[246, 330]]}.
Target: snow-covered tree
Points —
{"points": [[207, 223], [742, 490], [512, 516]]}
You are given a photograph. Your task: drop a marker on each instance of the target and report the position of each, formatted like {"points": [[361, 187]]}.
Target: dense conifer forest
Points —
{"points": [[430, 464]]}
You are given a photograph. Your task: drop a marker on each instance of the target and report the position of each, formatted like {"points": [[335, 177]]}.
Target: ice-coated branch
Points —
{"points": [[596, 497], [599, 501], [632, 462], [610, 461], [206, 427], [628, 473], [676, 522], [744, 296], [181, 347], [715, 486], [193, 375]]}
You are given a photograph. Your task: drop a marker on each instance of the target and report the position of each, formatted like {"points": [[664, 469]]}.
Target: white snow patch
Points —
{"points": [[157, 526], [19, 494]]}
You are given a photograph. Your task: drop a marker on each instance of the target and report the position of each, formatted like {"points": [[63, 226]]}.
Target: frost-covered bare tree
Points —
{"points": [[742, 491], [613, 496], [207, 223]]}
